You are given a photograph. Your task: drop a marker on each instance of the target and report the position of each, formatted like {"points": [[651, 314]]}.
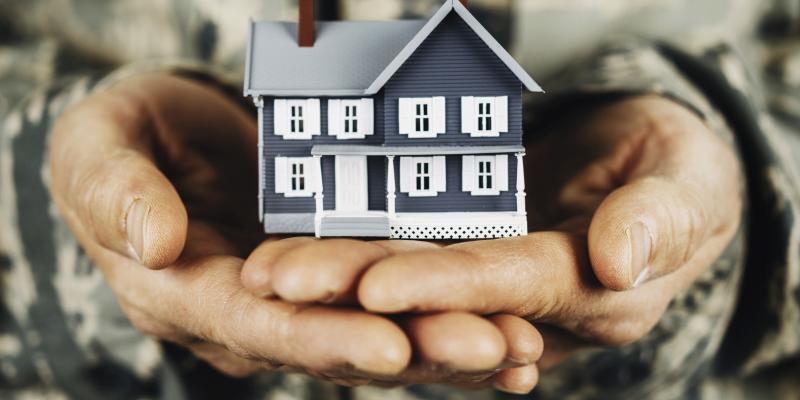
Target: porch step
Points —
{"points": [[361, 226]]}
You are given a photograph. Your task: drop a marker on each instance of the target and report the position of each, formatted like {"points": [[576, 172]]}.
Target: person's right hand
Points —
{"points": [[160, 171]]}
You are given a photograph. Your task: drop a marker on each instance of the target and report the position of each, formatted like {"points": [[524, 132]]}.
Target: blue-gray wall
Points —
{"points": [[454, 200], [453, 62]]}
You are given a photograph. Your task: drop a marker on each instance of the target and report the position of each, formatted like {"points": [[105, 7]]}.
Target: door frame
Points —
{"points": [[364, 179]]}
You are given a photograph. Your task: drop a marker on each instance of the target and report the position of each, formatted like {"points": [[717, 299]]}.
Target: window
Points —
{"points": [[422, 117], [297, 177], [485, 173], [296, 119], [350, 119], [485, 116], [294, 176], [422, 120], [423, 176]]}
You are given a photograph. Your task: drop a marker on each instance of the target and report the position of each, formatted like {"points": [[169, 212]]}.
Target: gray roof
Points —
{"points": [[348, 57]]}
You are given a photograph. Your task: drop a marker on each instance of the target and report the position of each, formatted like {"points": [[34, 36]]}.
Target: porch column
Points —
{"points": [[520, 185], [390, 197], [259, 102], [318, 196]]}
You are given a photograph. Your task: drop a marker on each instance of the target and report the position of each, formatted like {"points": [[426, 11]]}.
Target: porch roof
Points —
{"points": [[366, 150]]}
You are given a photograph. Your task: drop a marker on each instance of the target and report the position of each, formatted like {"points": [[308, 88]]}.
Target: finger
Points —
{"points": [[529, 275], [217, 309], [669, 208], [108, 187], [456, 342], [257, 269], [521, 380], [323, 271], [225, 361], [523, 340]]}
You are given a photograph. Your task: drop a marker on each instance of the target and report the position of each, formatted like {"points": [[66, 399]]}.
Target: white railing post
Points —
{"points": [[521, 185], [259, 102], [318, 196], [390, 185]]}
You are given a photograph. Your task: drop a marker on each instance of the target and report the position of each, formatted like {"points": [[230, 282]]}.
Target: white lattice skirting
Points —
{"points": [[458, 226]]}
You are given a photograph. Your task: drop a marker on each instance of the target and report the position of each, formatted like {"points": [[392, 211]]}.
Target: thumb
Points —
{"points": [[130, 207], [111, 192], [680, 205]]}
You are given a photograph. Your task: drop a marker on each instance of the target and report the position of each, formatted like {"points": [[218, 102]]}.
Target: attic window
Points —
{"points": [[297, 119], [485, 116], [422, 118], [351, 119]]}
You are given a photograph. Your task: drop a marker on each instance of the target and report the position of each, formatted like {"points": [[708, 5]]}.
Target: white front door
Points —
{"points": [[351, 183]]}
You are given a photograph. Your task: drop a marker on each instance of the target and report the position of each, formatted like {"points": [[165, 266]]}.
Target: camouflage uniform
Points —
{"points": [[733, 334]]}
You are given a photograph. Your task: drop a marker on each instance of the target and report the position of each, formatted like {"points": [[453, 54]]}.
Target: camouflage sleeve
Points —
{"points": [[62, 333], [741, 318]]}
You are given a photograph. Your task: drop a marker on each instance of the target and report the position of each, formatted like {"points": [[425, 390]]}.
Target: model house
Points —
{"points": [[401, 129]]}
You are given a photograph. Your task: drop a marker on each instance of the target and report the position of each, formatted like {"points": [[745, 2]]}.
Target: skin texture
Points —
{"points": [[155, 176], [644, 199]]}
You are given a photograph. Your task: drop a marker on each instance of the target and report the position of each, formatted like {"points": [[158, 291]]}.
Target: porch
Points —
{"points": [[430, 226]]}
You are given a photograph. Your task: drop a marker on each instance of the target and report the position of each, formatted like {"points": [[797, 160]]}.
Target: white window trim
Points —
{"points": [[431, 191], [495, 189], [359, 118], [283, 118], [470, 115], [286, 179], [407, 114]]}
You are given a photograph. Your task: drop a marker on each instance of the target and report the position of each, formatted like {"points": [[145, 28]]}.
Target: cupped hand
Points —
{"points": [[160, 171], [629, 202]]}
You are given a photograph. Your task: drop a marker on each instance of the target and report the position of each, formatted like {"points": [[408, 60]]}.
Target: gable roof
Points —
{"points": [[349, 58]]}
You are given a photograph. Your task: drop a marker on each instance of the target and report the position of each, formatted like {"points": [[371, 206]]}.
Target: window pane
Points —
{"points": [[302, 183], [488, 123], [488, 167], [299, 111], [425, 123], [489, 182], [427, 183], [300, 129], [419, 183], [355, 125], [419, 109], [419, 125], [488, 108]]}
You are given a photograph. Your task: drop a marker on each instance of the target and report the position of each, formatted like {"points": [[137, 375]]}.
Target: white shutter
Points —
{"points": [[468, 117], [281, 174], [467, 173], [406, 174], [312, 117], [501, 172], [334, 117], [281, 117], [366, 117], [439, 115], [439, 174], [405, 117], [501, 113]]}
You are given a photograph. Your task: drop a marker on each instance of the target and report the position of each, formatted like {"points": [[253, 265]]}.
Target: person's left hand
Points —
{"points": [[645, 198]]}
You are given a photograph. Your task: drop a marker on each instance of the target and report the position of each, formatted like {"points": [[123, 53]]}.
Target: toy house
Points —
{"points": [[408, 129]]}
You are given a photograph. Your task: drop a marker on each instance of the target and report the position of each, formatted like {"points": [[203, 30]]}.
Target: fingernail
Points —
{"points": [[640, 242], [135, 226]]}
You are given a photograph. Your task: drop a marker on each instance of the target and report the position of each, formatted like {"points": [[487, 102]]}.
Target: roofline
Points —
{"points": [[498, 49], [248, 57], [476, 27], [305, 92]]}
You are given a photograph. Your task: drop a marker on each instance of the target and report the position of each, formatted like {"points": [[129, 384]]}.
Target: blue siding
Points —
{"points": [[275, 146], [455, 200], [453, 62], [376, 171]]}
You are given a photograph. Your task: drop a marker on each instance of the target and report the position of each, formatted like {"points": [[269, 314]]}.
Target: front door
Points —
{"points": [[351, 183]]}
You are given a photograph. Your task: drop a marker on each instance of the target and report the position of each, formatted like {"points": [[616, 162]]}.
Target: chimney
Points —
{"points": [[465, 3], [305, 25]]}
